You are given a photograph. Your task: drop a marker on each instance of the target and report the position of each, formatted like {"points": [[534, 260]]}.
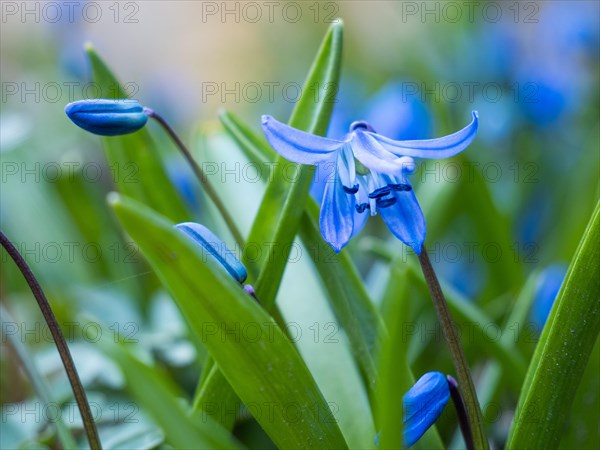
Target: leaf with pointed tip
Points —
{"points": [[563, 350], [263, 367], [282, 206]]}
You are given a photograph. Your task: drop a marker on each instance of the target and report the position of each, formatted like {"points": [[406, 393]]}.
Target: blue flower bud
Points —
{"points": [[107, 117], [423, 405], [215, 248]]}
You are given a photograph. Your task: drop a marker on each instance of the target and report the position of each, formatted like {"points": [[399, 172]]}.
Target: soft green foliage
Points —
{"points": [[156, 394], [368, 328], [266, 371], [563, 350]]}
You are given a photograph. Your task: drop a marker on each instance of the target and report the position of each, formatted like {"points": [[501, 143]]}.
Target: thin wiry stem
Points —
{"points": [[65, 438], [461, 412], [208, 188], [59, 340], [461, 367]]}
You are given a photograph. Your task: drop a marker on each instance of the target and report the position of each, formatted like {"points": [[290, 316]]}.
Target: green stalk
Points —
{"points": [[208, 188], [461, 367]]}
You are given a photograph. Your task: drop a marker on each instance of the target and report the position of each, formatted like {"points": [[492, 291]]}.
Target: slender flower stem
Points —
{"points": [[59, 340], [458, 356], [208, 188], [461, 412], [65, 438]]}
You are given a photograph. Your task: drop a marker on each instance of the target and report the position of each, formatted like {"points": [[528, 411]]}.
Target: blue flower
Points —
{"points": [[370, 173], [215, 249], [107, 117], [423, 404], [547, 288]]}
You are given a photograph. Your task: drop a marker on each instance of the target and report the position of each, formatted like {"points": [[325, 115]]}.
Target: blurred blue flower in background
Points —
{"points": [[552, 61], [66, 21], [548, 285], [545, 94], [534, 219], [399, 112], [571, 30], [370, 173], [184, 180]]}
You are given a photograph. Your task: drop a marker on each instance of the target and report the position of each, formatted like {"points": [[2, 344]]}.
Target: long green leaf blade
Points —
{"points": [[282, 207], [563, 350], [265, 370]]}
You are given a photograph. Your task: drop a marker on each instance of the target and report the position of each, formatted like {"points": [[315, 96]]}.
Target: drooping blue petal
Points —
{"points": [[299, 146], [337, 213], [107, 117], [423, 405], [214, 248], [404, 218], [443, 147]]}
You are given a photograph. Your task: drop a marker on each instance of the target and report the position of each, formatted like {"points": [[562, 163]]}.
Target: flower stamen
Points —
{"points": [[400, 187], [352, 190], [380, 192], [385, 202], [362, 207]]}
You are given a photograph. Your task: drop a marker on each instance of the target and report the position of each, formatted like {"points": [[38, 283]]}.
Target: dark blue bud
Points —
{"points": [[107, 117], [423, 405], [214, 248]]}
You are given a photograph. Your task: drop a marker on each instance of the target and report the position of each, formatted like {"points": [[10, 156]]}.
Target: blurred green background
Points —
{"points": [[499, 215]]}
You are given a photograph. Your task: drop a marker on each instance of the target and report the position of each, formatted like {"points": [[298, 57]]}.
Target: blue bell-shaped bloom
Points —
{"points": [[214, 248], [369, 173], [107, 117], [423, 404]]}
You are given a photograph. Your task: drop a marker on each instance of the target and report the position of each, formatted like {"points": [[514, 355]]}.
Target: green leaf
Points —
{"points": [[347, 295], [257, 148], [394, 377], [263, 367], [563, 350], [134, 159], [282, 207], [395, 374], [280, 211], [159, 397]]}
